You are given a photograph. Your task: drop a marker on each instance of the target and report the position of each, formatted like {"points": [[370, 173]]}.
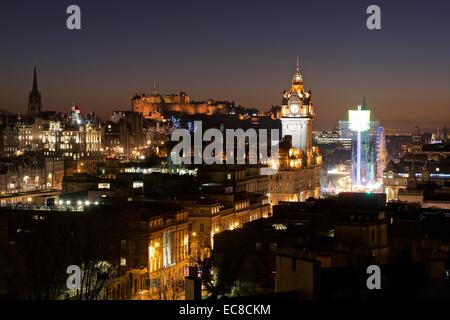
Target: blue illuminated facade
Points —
{"points": [[368, 147]]}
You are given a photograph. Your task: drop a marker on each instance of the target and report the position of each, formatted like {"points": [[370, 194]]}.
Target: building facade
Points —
{"points": [[156, 106], [369, 157], [297, 114], [297, 174], [30, 174]]}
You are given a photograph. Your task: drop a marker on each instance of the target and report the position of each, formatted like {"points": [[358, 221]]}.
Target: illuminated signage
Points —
{"points": [[359, 120]]}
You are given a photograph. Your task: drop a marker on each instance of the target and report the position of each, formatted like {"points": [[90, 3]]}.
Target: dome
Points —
{"points": [[297, 78]]}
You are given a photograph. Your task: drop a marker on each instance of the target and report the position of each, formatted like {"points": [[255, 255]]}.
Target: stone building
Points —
{"points": [[29, 174], [156, 106], [298, 167]]}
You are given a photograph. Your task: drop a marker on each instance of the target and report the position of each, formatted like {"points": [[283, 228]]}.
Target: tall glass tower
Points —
{"points": [[368, 147]]}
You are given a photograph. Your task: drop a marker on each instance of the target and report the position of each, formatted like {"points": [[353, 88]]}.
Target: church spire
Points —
{"points": [[34, 98], [35, 86]]}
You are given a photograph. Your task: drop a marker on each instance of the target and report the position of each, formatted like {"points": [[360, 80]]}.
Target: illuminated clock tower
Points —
{"points": [[297, 114]]}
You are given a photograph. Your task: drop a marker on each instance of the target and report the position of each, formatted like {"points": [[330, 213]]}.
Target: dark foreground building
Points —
{"points": [[321, 249]]}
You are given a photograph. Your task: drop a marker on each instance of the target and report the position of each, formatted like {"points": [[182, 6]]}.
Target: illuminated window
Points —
{"points": [[138, 184]]}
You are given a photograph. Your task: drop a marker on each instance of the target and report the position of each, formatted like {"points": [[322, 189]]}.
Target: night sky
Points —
{"points": [[231, 50]]}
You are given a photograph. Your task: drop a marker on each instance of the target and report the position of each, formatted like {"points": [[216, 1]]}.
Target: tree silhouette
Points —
{"points": [[33, 264], [220, 270]]}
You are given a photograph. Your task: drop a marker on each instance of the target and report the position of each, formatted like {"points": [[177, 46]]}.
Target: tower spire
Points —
{"points": [[297, 76], [364, 105], [35, 86], [34, 98], [154, 87]]}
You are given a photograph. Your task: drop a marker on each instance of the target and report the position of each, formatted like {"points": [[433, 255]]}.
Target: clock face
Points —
{"points": [[294, 108]]}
